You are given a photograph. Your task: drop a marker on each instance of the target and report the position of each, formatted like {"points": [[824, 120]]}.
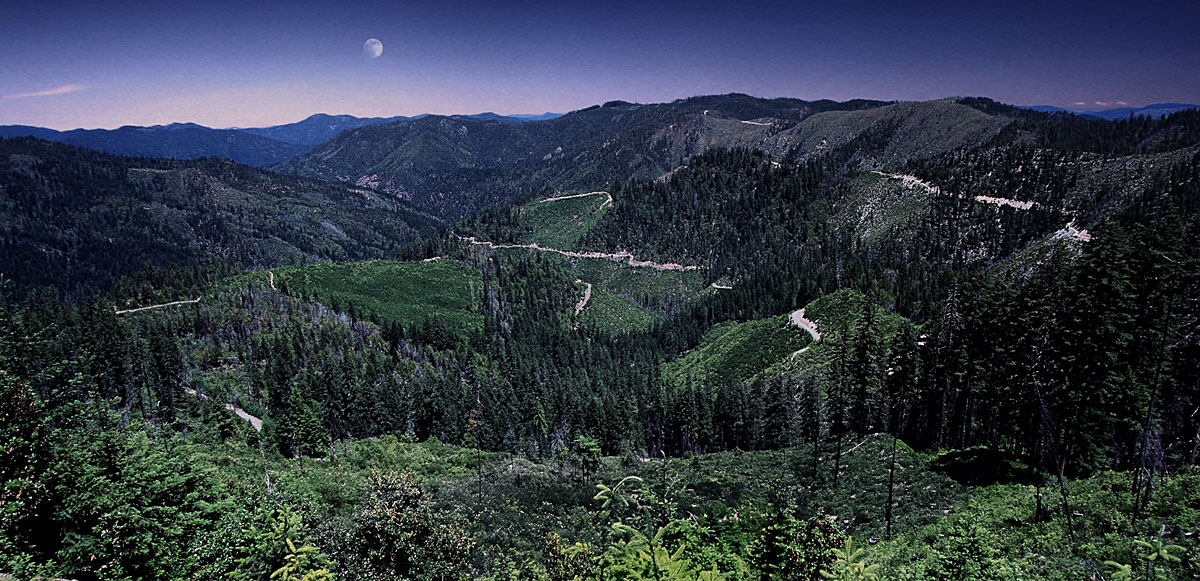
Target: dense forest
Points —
{"points": [[76, 221], [1002, 381]]}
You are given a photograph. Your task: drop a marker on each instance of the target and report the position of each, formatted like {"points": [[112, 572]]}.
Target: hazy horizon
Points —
{"points": [[1083, 107]]}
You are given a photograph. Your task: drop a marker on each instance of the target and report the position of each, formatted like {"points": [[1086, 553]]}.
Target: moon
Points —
{"points": [[372, 48]]}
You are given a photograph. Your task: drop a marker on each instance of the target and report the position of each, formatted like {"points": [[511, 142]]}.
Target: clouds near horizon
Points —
{"points": [[60, 90]]}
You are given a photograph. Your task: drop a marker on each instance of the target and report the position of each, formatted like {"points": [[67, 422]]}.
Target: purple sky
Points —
{"points": [[105, 64]]}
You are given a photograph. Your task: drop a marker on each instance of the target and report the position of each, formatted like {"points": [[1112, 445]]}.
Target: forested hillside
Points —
{"points": [[76, 221], [454, 166], [971, 354]]}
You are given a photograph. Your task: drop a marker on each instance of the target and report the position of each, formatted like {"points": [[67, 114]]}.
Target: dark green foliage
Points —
{"points": [[24, 457], [789, 548], [120, 506], [712, 211], [396, 534], [565, 563], [967, 551], [270, 537], [77, 221], [982, 466], [1068, 132]]}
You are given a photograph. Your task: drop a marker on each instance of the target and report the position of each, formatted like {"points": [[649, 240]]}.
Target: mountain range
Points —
{"points": [[778, 128], [175, 141], [454, 166], [317, 128], [256, 146], [433, 170], [1156, 110]]}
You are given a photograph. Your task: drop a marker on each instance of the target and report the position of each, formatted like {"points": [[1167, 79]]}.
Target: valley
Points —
{"points": [[717, 338]]}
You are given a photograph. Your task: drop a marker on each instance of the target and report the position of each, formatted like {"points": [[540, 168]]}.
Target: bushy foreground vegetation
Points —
{"points": [[204, 501]]}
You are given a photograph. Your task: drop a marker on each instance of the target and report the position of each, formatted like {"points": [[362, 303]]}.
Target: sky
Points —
{"points": [[95, 64]]}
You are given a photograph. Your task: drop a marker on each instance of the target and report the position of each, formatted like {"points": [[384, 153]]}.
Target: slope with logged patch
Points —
{"points": [[408, 293]]}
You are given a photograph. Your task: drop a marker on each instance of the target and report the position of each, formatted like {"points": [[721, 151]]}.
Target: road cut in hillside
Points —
{"points": [[587, 296], [241, 413], [625, 257], [911, 181], [1072, 232], [191, 302], [607, 202], [1018, 204], [914, 181], [797, 319]]}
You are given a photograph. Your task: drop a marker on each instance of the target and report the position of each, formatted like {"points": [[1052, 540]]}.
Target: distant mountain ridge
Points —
{"points": [[318, 128], [253, 146], [175, 141], [1154, 110], [455, 166], [321, 127]]}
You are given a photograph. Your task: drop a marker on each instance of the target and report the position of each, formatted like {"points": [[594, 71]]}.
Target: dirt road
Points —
{"points": [[191, 302], [797, 319], [614, 256], [587, 296], [607, 202], [241, 413]]}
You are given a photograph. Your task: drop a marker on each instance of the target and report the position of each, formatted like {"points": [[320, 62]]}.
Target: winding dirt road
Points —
{"points": [[587, 296], [625, 257], [797, 319], [271, 280], [914, 181], [191, 302], [241, 413], [614, 256], [911, 181], [607, 202], [1018, 204]]}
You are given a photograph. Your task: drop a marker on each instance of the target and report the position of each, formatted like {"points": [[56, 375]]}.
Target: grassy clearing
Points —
{"points": [[877, 205], [732, 352], [614, 314], [401, 292], [658, 291], [561, 223]]}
